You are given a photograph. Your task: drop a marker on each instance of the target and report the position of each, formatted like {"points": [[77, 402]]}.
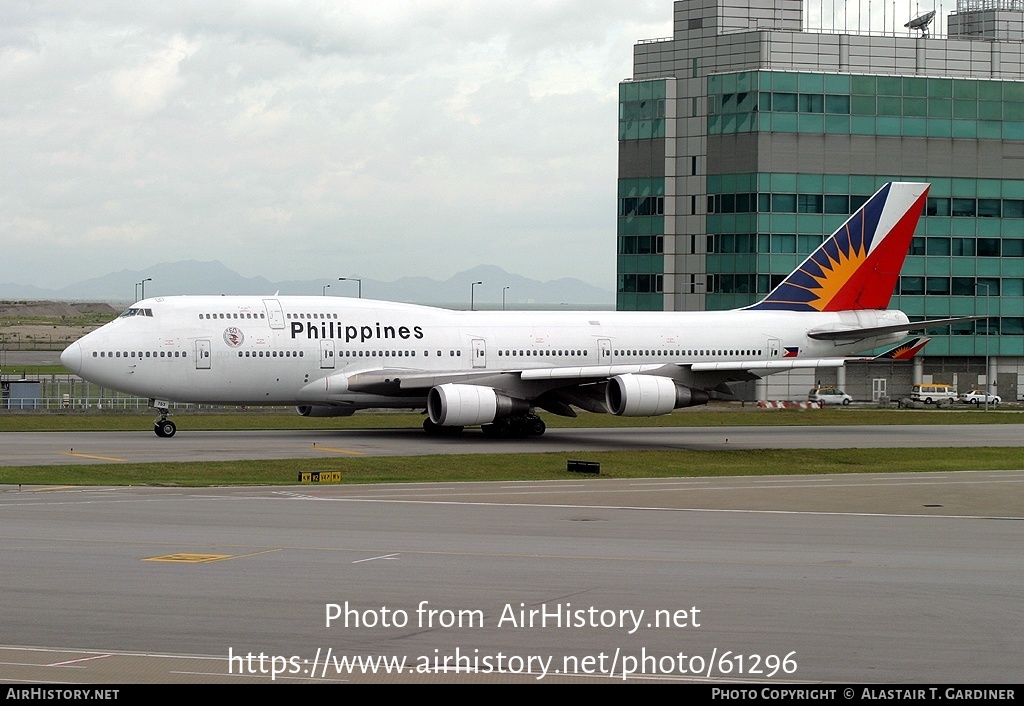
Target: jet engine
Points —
{"points": [[649, 395], [454, 405], [324, 410]]}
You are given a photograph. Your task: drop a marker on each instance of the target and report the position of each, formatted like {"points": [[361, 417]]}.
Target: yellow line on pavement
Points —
{"points": [[339, 451], [98, 458]]}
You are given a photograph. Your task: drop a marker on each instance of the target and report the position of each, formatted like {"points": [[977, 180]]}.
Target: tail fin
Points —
{"points": [[904, 351], [857, 267]]}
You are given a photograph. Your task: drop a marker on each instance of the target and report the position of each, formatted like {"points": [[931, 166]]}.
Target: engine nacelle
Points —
{"points": [[324, 410], [452, 405], [649, 395]]}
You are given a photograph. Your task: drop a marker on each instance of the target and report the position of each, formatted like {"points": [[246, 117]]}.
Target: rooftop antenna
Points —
{"points": [[921, 23]]}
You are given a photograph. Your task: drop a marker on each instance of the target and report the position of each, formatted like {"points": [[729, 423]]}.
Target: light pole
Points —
{"points": [[358, 282], [472, 292], [323, 290], [137, 291], [143, 283], [503, 289], [988, 383]]}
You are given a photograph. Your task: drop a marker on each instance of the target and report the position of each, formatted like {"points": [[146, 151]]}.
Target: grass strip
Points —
{"points": [[520, 467], [702, 417]]}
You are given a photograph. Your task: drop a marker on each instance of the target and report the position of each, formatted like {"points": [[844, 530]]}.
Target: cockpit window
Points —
{"points": [[133, 311]]}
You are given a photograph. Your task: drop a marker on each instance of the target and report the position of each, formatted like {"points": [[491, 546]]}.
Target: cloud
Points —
{"points": [[145, 88], [284, 138]]}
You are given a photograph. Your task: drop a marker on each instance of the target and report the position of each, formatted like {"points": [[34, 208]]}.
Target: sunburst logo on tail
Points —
{"points": [[832, 267], [852, 269]]}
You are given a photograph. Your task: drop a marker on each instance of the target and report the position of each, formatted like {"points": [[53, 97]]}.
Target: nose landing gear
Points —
{"points": [[162, 426]]}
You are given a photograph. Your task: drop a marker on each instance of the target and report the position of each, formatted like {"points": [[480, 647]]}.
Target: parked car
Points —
{"points": [[828, 395], [977, 397]]}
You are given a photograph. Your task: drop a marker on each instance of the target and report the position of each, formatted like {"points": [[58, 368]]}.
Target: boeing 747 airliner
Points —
{"points": [[330, 356]]}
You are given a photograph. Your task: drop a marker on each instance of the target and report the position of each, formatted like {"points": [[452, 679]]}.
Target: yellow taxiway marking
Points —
{"points": [[98, 458], [189, 558], [338, 451], [185, 558]]}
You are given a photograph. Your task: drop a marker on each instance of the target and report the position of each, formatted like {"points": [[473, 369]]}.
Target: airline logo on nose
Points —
{"points": [[233, 336]]}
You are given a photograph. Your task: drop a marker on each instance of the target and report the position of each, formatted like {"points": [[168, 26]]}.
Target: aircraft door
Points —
{"points": [[604, 348], [774, 348], [274, 313], [479, 353], [326, 353], [203, 354]]}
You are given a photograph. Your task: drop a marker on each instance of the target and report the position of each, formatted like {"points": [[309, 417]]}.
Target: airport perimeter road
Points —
{"points": [[13, 359], [605, 579], [52, 448]]}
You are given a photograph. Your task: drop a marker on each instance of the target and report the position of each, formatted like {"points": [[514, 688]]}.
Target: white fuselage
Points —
{"points": [[293, 350]]}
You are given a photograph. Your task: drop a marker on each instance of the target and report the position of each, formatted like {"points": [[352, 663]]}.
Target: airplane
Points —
{"points": [[331, 356]]}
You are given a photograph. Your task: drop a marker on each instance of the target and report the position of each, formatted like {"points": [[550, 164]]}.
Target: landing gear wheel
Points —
{"points": [[535, 426], [164, 428]]}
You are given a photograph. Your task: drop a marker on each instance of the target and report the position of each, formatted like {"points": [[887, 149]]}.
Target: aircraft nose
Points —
{"points": [[71, 358]]}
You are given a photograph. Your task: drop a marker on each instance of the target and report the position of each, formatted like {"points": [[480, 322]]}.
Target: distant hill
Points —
{"points": [[194, 277], [54, 309]]}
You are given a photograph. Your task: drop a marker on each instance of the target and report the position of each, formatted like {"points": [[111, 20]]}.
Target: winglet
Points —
{"points": [[904, 351], [857, 267]]}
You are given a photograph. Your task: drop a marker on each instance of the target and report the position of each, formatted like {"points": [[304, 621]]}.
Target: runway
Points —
{"points": [[60, 448], [865, 579]]}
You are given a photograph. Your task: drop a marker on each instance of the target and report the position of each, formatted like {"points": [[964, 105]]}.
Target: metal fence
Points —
{"points": [[36, 342], [68, 392]]}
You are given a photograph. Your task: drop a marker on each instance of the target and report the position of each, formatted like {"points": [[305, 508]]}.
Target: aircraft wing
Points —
{"points": [[391, 380], [409, 380], [555, 389], [769, 366], [394, 381]]}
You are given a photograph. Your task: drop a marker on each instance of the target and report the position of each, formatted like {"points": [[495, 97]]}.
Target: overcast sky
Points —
{"points": [[313, 139]]}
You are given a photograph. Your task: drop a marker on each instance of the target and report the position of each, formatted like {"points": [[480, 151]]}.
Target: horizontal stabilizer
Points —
{"points": [[855, 334]]}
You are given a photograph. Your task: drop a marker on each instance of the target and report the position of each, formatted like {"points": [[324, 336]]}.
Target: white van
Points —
{"points": [[933, 393]]}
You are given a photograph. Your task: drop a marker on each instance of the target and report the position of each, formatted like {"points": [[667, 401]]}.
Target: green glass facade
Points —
{"points": [[844, 104], [763, 137], [640, 263], [967, 257]]}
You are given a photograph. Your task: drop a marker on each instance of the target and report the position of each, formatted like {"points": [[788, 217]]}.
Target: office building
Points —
{"points": [[745, 137]]}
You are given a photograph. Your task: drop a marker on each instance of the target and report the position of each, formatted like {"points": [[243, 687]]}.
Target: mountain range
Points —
{"points": [[194, 277]]}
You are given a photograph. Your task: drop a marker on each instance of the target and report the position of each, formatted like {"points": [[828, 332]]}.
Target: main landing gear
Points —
{"points": [[515, 427], [505, 428], [162, 426]]}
